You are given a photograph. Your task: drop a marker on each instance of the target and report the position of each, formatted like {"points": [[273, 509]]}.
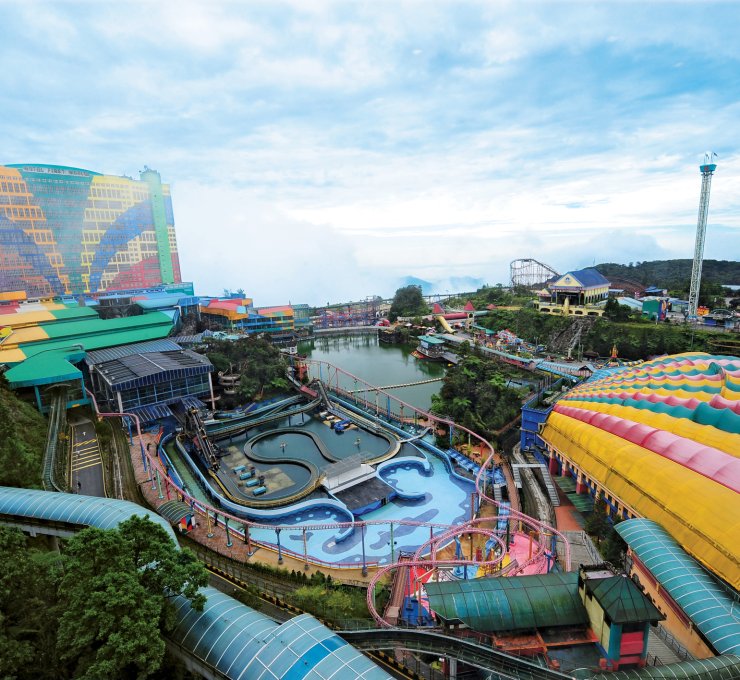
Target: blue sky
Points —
{"points": [[324, 150]]}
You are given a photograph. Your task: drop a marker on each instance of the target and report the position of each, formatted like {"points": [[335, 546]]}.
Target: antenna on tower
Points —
{"points": [[707, 170]]}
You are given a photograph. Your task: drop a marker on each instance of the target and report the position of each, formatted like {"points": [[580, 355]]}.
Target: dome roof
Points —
{"points": [[664, 437]]}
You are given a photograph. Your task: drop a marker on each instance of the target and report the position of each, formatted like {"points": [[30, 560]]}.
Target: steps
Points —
{"points": [[552, 492]]}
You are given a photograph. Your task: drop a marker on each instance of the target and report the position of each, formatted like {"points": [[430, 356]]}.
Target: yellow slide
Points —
{"points": [[444, 324]]}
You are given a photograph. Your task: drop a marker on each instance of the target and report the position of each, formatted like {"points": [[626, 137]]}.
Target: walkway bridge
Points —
{"points": [[471, 653]]}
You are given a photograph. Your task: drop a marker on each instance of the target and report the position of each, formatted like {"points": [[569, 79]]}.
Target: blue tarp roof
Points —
{"points": [[705, 601]]}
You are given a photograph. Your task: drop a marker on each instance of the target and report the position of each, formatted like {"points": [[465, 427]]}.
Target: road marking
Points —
{"points": [[76, 468], [89, 459]]}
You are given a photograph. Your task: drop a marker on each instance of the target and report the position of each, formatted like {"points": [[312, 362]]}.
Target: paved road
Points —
{"points": [[87, 465]]}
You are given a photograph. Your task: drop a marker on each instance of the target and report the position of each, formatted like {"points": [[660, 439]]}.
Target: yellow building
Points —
{"points": [[576, 293]]}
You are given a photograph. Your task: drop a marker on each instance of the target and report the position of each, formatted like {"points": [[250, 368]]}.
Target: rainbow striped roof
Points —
{"points": [[664, 437]]}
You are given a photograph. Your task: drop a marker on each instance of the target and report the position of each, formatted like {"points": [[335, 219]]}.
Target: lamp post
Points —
{"points": [[364, 563]]}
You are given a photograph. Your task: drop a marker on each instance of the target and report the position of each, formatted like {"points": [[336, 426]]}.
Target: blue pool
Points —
{"points": [[446, 501]]}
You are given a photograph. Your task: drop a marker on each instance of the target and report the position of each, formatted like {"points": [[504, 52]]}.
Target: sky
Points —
{"points": [[323, 151]]}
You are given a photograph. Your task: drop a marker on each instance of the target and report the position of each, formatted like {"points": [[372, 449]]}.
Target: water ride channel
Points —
{"points": [[342, 456]]}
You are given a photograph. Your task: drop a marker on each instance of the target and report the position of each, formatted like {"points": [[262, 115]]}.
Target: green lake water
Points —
{"points": [[379, 364]]}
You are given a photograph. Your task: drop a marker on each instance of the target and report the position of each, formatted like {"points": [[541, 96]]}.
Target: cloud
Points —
{"points": [[324, 149]]}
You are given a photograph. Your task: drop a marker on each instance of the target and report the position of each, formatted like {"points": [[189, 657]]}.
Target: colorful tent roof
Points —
{"points": [[664, 437]]}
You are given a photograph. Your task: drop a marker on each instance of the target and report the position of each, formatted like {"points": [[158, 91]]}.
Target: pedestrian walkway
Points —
{"points": [[567, 516], [659, 650], [583, 502], [218, 542], [86, 463]]}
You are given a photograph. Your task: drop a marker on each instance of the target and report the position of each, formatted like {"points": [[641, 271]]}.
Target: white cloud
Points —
{"points": [[322, 149]]}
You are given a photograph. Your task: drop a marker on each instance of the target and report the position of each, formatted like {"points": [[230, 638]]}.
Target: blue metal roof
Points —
{"points": [[244, 644], [100, 356], [705, 601], [104, 513], [589, 277]]}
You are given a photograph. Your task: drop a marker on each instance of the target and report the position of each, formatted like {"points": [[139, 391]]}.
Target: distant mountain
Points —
{"points": [[453, 284], [673, 274]]}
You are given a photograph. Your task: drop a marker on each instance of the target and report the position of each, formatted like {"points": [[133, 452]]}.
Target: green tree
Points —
{"points": [[614, 548], [614, 311], [28, 608], [408, 301], [597, 523], [116, 594], [260, 364]]}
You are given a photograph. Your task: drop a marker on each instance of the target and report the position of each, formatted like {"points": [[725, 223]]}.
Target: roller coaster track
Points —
{"points": [[471, 653]]}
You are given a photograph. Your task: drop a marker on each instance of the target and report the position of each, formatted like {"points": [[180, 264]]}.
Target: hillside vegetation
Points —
{"points": [[674, 274], [22, 440]]}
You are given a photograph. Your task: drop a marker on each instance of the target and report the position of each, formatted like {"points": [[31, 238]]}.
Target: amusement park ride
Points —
{"points": [[707, 170]]}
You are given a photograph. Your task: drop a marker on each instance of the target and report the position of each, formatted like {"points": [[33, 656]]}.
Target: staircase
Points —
{"points": [[567, 339], [552, 492]]}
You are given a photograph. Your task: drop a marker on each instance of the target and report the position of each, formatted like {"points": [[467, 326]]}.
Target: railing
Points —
{"points": [[471, 653], [53, 477], [680, 651]]}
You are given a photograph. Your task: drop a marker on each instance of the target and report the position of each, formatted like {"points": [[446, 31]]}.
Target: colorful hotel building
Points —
{"points": [[67, 231]]}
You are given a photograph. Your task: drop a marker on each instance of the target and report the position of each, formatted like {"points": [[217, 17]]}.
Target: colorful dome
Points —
{"points": [[664, 437]]}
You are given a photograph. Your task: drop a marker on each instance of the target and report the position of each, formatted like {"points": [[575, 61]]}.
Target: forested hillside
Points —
{"points": [[22, 439], [673, 274]]}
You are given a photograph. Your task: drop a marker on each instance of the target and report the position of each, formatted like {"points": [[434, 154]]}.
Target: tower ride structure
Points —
{"points": [[707, 170]]}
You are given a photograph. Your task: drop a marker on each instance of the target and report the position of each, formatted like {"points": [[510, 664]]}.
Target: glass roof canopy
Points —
{"points": [[705, 601], [244, 644]]}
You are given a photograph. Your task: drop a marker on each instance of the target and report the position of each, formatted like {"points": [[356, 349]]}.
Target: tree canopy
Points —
{"points": [[98, 610], [408, 301], [475, 394], [22, 438], [260, 364]]}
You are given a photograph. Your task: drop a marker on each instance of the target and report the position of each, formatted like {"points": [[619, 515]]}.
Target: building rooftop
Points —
{"points": [[504, 604], [431, 340], [137, 370], [663, 437], [109, 354], [710, 606], [622, 600], [91, 333]]}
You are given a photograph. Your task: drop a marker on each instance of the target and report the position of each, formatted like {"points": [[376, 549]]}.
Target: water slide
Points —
{"points": [[444, 324]]}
